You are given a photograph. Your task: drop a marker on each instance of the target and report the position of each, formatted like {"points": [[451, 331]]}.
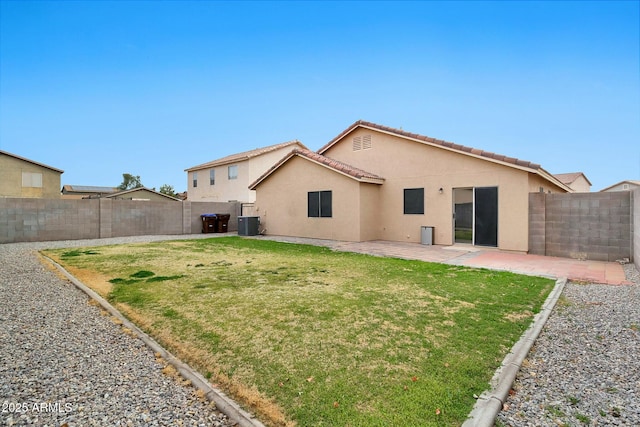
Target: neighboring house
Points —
{"points": [[141, 193], [86, 191], [578, 181], [228, 178], [623, 186], [373, 182], [20, 177]]}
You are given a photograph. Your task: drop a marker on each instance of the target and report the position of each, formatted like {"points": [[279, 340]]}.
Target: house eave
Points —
{"points": [[216, 164], [24, 159], [364, 179], [549, 177]]}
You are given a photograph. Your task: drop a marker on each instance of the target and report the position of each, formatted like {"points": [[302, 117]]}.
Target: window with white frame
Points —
{"points": [[233, 172], [31, 179], [194, 176], [212, 177]]}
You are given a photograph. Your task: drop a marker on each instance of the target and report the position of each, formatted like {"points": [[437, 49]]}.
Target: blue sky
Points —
{"points": [[150, 88]]}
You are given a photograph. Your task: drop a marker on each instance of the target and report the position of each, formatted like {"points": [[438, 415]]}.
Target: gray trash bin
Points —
{"points": [[248, 225], [426, 235]]}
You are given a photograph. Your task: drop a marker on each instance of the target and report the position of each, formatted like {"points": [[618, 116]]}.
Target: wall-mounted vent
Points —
{"points": [[366, 142], [357, 143], [361, 142]]}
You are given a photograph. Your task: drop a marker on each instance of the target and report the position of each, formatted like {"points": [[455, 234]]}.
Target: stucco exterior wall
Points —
{"points": [[581, 185], [282, 203], [622, 186], [536, 182], [370, 218], [408, 164], [11, 182], [226, 189]]}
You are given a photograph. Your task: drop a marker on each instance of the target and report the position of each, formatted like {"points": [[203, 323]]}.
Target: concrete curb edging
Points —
{"points": [[223, 403], [490, 402]]}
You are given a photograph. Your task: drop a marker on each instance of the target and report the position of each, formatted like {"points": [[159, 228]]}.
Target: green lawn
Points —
{"points": [[306, 336]]}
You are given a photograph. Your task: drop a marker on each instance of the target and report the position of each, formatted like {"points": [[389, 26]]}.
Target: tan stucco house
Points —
{"points": [[578, 181], [228, 178], [373, 182], [627, 185], [141, 193], [26, 178]]}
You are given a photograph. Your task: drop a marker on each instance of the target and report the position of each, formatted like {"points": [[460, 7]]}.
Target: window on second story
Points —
{"points": [[194, 176], [30, 179], [212, 177], [233, 172]]}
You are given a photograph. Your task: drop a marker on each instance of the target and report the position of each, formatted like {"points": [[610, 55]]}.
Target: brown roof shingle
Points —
{"points": [[433, 141]]}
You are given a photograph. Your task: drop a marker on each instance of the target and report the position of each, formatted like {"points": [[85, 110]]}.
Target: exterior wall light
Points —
{"points": [[440, 190]]}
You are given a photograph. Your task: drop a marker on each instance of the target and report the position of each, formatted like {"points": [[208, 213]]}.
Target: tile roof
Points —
{"points": [[432, 141], [335, 165], [569, 178], [88, 189], [245, 155]]}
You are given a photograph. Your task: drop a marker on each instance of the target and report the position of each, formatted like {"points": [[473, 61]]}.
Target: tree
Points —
{"points": [[168, 190], [129, 182]]}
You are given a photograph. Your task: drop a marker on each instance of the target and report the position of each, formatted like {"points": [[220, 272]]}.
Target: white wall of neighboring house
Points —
{"points": [[623, 186], [225, 189]]}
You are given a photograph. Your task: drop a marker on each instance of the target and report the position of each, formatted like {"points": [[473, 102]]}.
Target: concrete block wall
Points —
{"points": [[30, 220], [593, 226], [635, 203], [537, 224], [142, 218]]}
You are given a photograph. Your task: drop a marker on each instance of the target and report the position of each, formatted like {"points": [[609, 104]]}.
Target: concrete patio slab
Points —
{"points": [[610, 273]]}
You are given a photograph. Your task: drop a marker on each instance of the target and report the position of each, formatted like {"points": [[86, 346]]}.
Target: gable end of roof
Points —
{"points": [[433, 141], [24, 159], [335, 165]]}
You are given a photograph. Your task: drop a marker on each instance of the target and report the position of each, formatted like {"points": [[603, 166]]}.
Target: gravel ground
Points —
{"points": [[63, 362], [584, 368]]}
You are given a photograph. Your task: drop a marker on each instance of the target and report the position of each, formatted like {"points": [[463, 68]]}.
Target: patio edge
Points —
{"points": [[490, 402]]}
